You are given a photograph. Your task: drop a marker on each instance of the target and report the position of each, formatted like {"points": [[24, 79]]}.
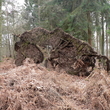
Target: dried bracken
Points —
{"points": [[31, 87]]}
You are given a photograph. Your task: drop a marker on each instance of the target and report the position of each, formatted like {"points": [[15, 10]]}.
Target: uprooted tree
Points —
{"points": [[58, 50]]}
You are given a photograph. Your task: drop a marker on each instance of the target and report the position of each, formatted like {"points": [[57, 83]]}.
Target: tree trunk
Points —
{"points": [[106, 41], [109, 47], [0, 30], [8, 48], [39, 12], [102, 45], [89, 28], [98, 32]]}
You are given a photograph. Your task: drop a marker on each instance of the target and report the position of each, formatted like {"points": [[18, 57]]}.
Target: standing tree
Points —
{"points": [[0, 27], [86, 20], [12, 25]]}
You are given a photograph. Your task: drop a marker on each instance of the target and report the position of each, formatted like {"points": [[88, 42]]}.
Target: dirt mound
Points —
{"points": [[31, 87]]}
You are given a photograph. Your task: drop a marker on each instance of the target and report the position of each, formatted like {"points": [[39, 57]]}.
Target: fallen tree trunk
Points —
{"points": [[58, 50]]}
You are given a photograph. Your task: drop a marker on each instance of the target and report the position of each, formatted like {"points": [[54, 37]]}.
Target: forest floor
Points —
{"points": [[33, 87]]}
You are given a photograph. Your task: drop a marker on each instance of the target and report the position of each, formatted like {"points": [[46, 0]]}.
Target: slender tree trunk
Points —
{"points": [[102, 45], [89, 28], [39, 12], [106, 41], [109, 46], [97, 32], [0, 30], [107, 37], [13, 42], [8, 50]]}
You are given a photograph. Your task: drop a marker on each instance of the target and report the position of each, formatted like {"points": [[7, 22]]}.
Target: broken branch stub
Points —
{"points": [[58, 50]]}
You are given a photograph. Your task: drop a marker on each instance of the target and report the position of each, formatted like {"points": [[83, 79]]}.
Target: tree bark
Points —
{"points": [[39, 12], [0, 30], [89, 28], [106, 41], [102, 45]]}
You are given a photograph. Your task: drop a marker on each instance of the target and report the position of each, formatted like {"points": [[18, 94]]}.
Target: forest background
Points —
{"points": [[88, 20]]}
